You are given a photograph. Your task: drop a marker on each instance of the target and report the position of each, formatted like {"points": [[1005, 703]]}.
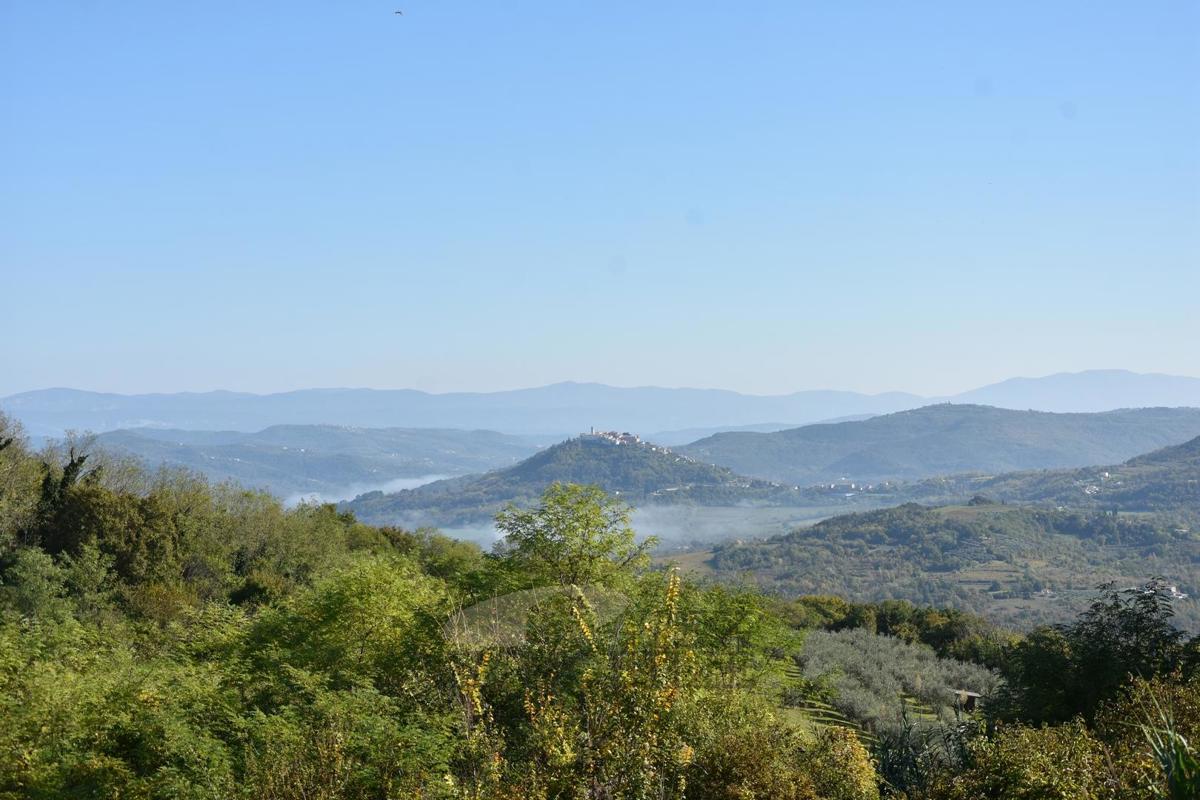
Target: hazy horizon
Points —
{"points": [[871, 198], [915, 392], [765, 399]]}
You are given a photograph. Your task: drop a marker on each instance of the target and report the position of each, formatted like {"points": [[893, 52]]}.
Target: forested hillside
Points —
{"points": [[946, 439], [637, 472], [1166, 480], [1014, 565], [164, 638]]}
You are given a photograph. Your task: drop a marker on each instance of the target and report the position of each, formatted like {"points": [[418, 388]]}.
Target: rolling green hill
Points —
{"points": [[1015, 565], [1025, 548], [946, 439], [637, 472], [1167, 479], [326, 460]]}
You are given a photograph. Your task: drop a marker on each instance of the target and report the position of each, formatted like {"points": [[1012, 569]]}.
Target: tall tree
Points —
{"points": [[578, 535]]}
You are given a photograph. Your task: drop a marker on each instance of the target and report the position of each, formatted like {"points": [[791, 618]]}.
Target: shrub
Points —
{"points": [[1057, 763]]}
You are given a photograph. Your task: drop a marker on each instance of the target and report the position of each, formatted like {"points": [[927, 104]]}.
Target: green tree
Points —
{"points": [[34, 587], [1057, 673], [578, 535]]}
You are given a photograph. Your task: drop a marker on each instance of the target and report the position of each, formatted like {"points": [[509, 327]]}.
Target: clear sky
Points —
{"points": [[762, 196]]}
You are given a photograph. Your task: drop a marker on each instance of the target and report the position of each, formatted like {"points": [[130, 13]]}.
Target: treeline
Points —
{"points": [[164, 638]]}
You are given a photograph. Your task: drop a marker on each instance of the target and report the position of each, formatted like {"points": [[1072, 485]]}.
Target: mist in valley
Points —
{"points": [[343, 494], [688, 527], [677, 528]]}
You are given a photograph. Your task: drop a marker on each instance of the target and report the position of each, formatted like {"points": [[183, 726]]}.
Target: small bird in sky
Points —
{"points": [[401, 13]]}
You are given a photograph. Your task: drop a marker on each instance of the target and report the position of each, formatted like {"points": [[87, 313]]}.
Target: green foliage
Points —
{"points": [[740, 634], [950, 632], [776, 761], [34, 586], [160, 638], [577, 536], [1149, 730], [20, 476], [1137, 749], [1178, 760], [1165, 480], [635, 472], [369, 623], [163, 638], [1057, 673], [441, 556], [1059, 763], [912, 757], [979, 558], [875, 679]]}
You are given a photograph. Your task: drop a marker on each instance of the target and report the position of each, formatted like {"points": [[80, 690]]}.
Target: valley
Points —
{"points": [[580, 401]]}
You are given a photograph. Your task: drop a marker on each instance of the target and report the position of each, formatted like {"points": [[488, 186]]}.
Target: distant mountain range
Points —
{"points": [[561, 409], [635, 471], [945, 439], [1094, 390], [327, 462], [564, 408]]}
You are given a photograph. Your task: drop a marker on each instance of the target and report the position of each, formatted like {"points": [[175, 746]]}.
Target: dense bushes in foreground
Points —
{"points": [[161, 638]]}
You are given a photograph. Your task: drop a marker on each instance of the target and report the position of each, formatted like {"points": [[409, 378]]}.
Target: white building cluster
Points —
{"points": [[615, 437]]}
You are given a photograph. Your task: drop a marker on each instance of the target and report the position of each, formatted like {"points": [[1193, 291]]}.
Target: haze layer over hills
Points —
{"points": [[566, 408], [945, 439], [325, 461], [561, 409]]}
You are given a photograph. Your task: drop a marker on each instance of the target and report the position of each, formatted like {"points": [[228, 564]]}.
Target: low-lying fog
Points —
{"points": [[351, 492], [681, 527], [685, 527]]}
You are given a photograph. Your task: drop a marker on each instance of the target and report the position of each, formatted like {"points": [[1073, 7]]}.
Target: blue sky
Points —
{"points": [[768, 196]]}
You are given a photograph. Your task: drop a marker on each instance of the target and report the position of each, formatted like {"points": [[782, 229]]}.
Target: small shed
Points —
{"points": [[966, 701]]}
